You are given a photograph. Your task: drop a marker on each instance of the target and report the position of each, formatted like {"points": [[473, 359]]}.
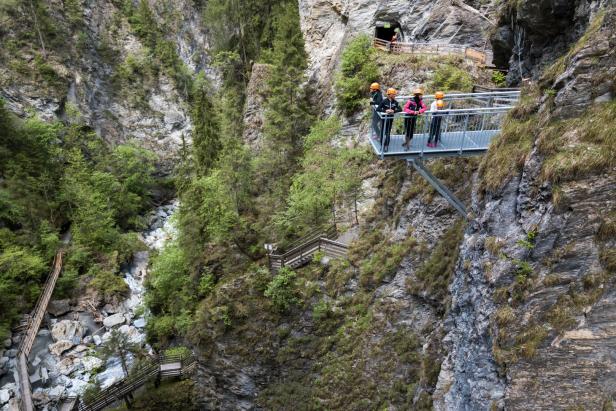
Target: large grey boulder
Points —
{"points": [[5, 396], [114, 320], [59, 307], [60, 347], [91, 363], [67, 330], [68, 365]]}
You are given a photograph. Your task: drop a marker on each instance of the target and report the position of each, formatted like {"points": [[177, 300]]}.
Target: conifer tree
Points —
{"points": [[206, 134]]}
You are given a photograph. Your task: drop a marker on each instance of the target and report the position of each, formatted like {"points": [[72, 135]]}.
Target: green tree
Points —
{"points": [[330, 175], [206, 133], [119, 345], [281, 290], [358, 69]]}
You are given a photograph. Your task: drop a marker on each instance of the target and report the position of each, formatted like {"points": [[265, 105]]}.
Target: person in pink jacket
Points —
{"points": [[413, 108]]}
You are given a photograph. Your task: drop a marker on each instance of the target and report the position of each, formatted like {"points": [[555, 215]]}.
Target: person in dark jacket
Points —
{"points": [[413, 108], [376, 98], [375, 94], [390, 107]]}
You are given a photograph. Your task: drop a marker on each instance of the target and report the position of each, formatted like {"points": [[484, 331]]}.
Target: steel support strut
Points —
{"points": [[439, 186]]}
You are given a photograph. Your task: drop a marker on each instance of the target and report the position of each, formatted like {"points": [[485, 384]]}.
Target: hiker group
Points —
{"points": [[413, 108]]}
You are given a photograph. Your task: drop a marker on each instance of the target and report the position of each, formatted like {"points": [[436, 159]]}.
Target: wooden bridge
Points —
{"points": [[302, 251], [159, 368], [32, 327]]}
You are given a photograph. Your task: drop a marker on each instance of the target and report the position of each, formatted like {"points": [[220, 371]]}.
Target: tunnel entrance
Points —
{"points": [[385, 30]]}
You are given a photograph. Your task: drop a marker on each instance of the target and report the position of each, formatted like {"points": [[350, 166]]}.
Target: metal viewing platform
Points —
{"points": [[468, 124]]}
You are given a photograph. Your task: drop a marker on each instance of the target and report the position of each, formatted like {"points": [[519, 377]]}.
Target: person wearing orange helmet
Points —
{"points": [[413, 107], [390, 107], [376, 98], [375, 94], [436, 109]]}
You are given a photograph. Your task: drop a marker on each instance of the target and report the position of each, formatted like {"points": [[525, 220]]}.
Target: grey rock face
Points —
{"points": [[254, 109], [160, 121], [328, 25], [67, 330], [532, 34]]}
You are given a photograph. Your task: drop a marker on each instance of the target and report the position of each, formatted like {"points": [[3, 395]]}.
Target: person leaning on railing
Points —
{"points": [[413, 108], [437, 111], [390, 107]]}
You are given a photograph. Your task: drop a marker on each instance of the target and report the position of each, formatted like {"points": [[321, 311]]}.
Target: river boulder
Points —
{"points": [[114, 320], [67, 330], [60, 347]]}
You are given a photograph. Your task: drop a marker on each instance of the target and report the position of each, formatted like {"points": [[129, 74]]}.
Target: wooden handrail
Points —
{"points": [[121, 388], [304, 252], [472, 53], [34, 323]]}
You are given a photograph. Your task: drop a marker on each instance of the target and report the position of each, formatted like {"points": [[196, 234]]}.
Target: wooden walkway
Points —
{"points": [[303, 250], [34, 323]]}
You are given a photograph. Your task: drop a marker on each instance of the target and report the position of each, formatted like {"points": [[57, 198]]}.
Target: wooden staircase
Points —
{"points": [[302, 251]]}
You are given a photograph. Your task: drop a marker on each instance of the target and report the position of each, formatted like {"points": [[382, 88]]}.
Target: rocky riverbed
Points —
{"points": [[65, 358]]}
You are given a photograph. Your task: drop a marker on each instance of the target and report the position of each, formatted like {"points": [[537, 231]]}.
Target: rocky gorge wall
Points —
{"points": [[530, 35], [509, 340], [98, 66]]}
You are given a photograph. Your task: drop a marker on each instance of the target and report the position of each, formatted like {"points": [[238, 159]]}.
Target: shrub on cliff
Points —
{"points": [[281, 289], [358, 70]]}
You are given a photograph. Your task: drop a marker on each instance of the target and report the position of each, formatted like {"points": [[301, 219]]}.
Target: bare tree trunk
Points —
{"points": [[355, 207], [38, 30], [122, 356]]}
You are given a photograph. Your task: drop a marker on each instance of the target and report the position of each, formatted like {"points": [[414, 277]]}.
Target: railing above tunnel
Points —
{"points": [[481, 57]]}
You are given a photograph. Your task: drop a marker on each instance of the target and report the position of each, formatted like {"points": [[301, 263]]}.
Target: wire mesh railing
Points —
{"points": [[445, 132]]}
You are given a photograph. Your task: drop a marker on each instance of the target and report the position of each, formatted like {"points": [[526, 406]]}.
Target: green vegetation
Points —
{"points": [[119, 345], [281, 289], [433, 278], [499, 78], [330, 177], [359, 69], [579, 147], [509, 152], [449, 78], [175, 395], [52, 175]]}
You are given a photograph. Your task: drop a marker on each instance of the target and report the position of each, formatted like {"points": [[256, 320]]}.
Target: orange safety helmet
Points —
{"points": [[418, 91], [375, 86], [439, 95], [392, 92], [440, 103]]}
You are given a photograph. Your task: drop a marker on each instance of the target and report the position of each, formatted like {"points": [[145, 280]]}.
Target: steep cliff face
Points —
{"points": [[533, 34], [89, 58], [329, 24], [532, 313]]}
